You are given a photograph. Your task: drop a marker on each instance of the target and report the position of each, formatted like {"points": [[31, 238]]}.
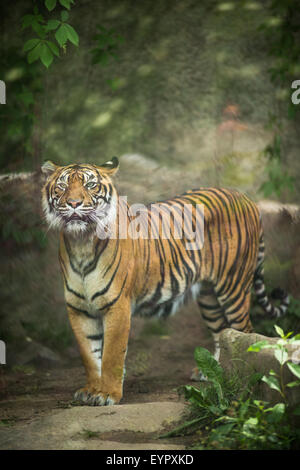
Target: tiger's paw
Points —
{"points": [[92, 396], [198, 376]]}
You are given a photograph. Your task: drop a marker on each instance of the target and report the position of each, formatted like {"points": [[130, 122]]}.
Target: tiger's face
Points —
{"points": [[80, 198]]}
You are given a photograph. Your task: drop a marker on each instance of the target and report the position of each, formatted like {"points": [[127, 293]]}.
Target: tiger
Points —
{"points": [[117, 262]]}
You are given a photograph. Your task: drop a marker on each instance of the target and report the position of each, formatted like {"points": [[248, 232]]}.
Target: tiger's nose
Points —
{"points": [[74, 202]]}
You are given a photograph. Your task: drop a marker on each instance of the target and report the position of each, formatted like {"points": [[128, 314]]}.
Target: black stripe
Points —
{"points": [[92, 265], [96, 338], [103, 291], [113, 257], [68, 249], [69, 289], [116, 298], [84, 312]]}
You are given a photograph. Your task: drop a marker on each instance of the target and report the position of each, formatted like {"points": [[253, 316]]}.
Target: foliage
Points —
{"points": [[20, 68], [229, 417], [281, 32], [273, 380], [50, 34], [211, 400], [20, 116], [41, 47]]}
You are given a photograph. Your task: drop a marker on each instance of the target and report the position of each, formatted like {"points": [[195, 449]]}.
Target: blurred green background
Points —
{"points": [[185, 93]]}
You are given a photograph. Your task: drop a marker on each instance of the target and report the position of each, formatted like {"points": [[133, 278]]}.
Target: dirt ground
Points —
{"points": [[159, 362]]}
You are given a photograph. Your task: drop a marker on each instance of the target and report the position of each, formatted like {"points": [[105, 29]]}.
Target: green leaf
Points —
{"points": [[224, 429], [65, 3], [214, 409], [281, 355], [52, 24], [35, 22], [208, 365], [279, 331], [276, 413], [259, 403], [71, 34], [256, 347], [64, 15], [272, 382], [32, 21], [249, 425], [293, 384], [254, 379], [61, 35], [34, 54], [244, 407], [295, 338], [53, 48], [294, 368], [46, 55], [50, 4], [195, 396], [30, 44]]}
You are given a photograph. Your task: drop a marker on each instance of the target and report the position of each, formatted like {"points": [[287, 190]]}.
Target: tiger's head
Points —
{"points": [[80, 198]]}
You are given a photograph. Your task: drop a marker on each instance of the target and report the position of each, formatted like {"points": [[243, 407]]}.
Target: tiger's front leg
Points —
{"points": [[103, 365]]}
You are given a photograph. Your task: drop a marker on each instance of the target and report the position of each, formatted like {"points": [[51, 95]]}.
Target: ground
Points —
{"points": [[159, 362]]}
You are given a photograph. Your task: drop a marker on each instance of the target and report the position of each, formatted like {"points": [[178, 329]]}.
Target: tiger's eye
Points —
{"points": [[61, 185], [91, 185]]}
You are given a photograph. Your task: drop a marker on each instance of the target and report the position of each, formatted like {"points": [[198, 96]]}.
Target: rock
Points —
{"points": [[281, 223], [33, 352], [235, 359], [70, 428]]}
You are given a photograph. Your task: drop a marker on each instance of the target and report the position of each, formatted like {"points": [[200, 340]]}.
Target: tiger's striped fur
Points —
{"points": [[108, 279]]}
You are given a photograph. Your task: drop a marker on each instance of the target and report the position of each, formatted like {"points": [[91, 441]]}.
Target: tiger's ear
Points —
{"points": [[48, 168], [110, 167]]}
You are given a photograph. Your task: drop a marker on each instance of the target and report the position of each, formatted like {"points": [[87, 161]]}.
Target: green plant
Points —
{"points": [[212, 398], [275, 380], [42, 47], [251, 424], [226, 414]]}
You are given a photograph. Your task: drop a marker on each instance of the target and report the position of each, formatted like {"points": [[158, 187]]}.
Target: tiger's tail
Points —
{"points": [[259, 287]]}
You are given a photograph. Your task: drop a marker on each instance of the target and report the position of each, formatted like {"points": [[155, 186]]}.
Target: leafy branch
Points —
{"points": [[43, 47], [273, 380]]}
